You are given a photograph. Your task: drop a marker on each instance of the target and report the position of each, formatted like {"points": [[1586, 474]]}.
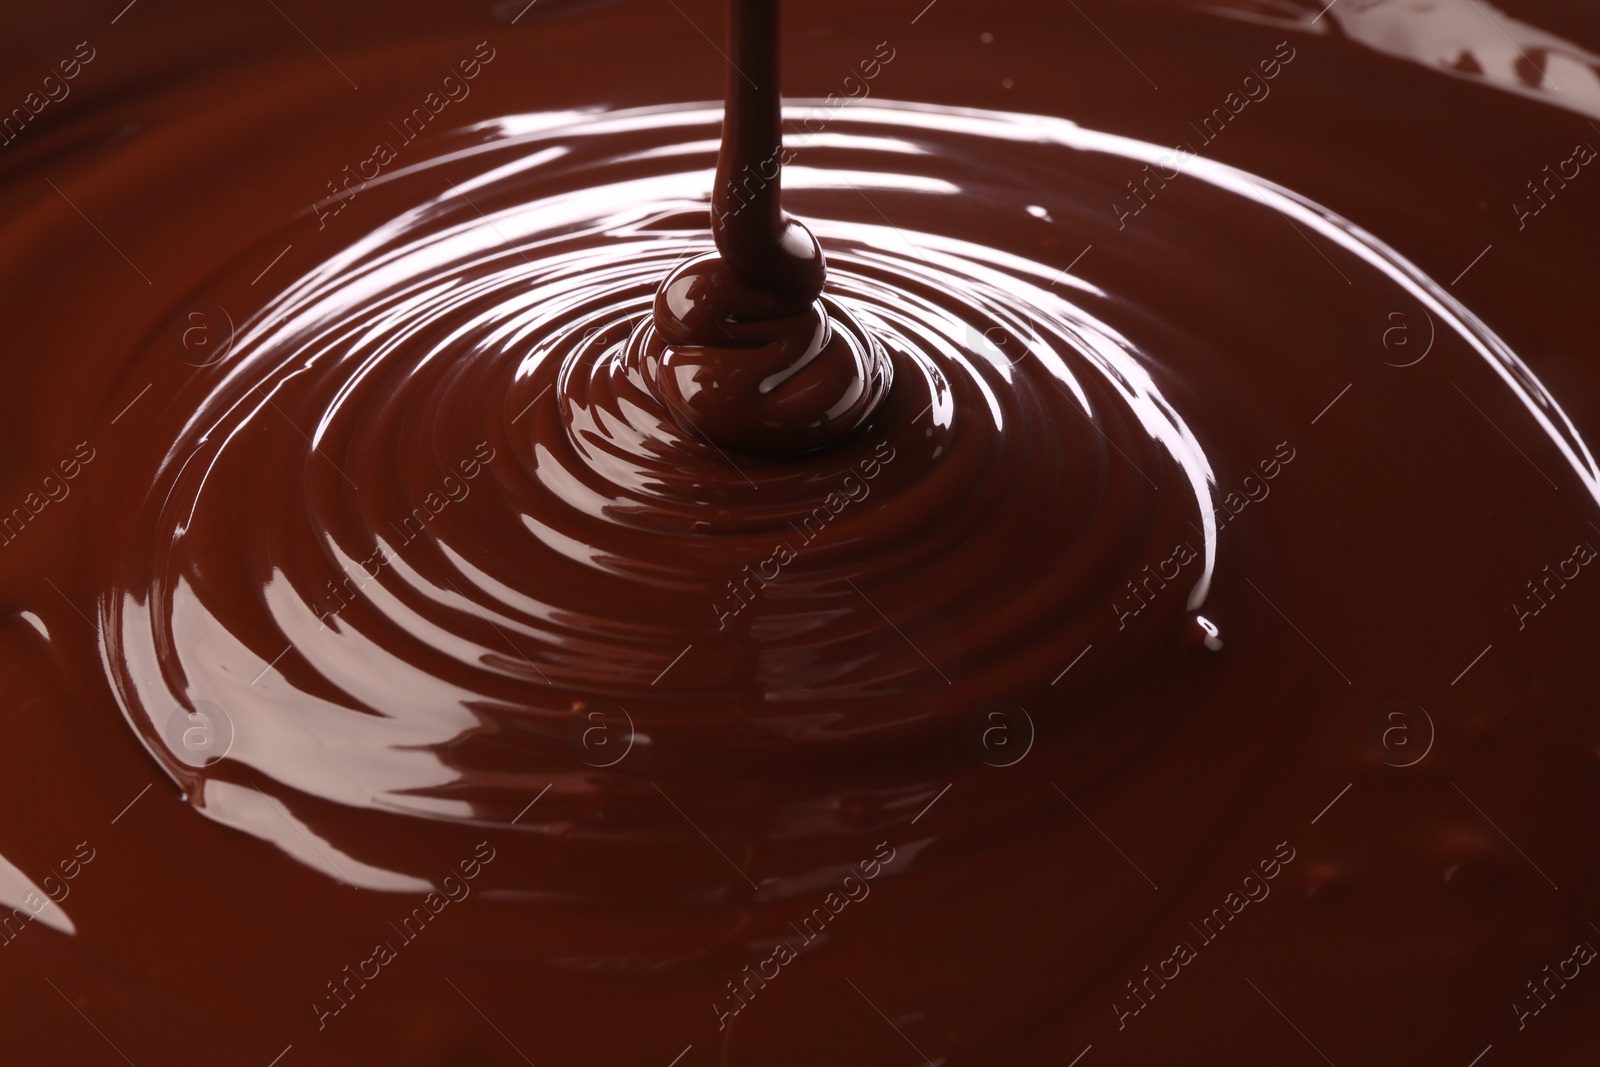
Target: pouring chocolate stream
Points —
{"points": [[748, 353], [470, 529]]}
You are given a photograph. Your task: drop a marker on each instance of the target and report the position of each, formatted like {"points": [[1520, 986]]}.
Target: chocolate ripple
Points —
{"points": [[433, 516]]}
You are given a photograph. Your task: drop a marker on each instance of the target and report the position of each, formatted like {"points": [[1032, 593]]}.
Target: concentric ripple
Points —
{"points": [[737, 369], [430, 512]]}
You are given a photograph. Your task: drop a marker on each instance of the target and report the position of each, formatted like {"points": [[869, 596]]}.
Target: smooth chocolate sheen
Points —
{"points": [[1136, 608]]}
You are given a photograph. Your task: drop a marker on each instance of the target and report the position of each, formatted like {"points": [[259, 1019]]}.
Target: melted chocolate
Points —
{"points": [[745, 353], [764, 248], [431, 640]]}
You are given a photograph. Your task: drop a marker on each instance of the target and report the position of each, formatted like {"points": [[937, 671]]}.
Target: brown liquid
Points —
{"points": [[745, 353], [764, 248], [484, 617]]}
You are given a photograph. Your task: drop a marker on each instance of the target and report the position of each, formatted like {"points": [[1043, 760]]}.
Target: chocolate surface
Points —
{"points": [[1164, 641]]}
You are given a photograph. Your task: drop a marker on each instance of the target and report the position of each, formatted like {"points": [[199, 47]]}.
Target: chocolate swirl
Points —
{"points": [[495, 525], [754, 379], [426, 534], [429, 527], [497, 532]]}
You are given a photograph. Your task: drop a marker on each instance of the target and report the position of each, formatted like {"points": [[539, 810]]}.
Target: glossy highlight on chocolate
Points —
{"points": [[745, 352], [1113, 590]]}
